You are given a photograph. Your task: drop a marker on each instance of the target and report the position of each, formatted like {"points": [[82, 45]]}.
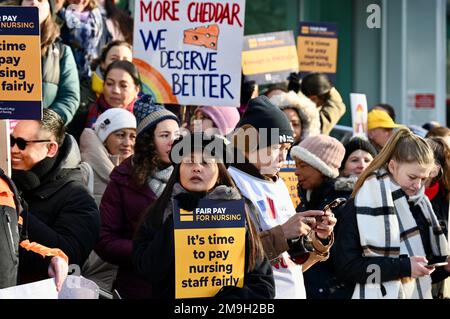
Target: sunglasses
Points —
{"points": [[21, 143]]}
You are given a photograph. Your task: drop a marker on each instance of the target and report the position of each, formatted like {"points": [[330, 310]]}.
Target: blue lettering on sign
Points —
{"points": [[188, 60], [157, 43], [213, 85]]}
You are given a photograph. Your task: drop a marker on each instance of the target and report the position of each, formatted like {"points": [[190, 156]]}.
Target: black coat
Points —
{"points": [[320, 280], [440, 208], [62, 213], [154, 259]]}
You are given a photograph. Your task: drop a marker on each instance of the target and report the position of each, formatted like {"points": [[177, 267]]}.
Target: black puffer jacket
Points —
{"points": [[320, 280], [62, 213]]}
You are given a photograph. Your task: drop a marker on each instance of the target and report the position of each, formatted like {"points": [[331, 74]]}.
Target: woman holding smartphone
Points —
{"points": [[389, 232]]}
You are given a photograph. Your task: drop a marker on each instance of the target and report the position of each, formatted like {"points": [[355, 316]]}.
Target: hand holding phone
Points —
{"points": [[335, 203], [441, 264]]}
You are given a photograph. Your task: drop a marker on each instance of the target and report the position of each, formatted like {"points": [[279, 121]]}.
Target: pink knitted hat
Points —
{"points": [[224, 117], [322, 152]]}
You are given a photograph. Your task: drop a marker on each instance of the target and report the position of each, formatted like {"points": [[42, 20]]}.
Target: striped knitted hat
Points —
{"points": [[149, 114], [322, 152]]}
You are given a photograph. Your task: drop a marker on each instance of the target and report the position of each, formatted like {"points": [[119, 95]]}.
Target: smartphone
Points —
{"points": [[442, 264], [335, 204]]}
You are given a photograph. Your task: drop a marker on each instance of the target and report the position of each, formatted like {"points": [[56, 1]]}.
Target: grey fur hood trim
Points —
{"points": [[345, 183]]}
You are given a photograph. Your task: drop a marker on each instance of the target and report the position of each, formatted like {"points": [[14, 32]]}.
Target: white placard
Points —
{"points": [[189, 52], [359, 114]]}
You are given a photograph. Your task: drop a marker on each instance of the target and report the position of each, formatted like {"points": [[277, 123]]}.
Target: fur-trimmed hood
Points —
{"points": [[346, 184], [305, 108]]}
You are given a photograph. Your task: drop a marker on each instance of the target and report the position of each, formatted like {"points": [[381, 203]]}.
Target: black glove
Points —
{"points": [[294, 82]]}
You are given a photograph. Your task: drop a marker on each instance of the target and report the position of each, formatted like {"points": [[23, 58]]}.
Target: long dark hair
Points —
{"points": [[124, 21], [442, 156], [155, 212], [145, 158], [316, 84], [126, 66]]}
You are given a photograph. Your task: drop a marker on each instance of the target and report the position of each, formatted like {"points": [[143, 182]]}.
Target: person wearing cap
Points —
{"points": [[380, 128], [359, 153], [221, 118], [106, 145], [198, 175], [261, 141], [136, 183], [60, 83], [317, 160], [301, 112]]}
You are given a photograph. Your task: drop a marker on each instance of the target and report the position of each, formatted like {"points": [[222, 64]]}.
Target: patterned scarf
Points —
{"points": [[387, 228]]}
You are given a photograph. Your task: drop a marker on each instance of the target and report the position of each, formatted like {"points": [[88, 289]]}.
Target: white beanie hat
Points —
{"points": [[112, 120]]}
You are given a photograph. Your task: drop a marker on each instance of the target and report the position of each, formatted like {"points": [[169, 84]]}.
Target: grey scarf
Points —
{"points": [[158, 180]]}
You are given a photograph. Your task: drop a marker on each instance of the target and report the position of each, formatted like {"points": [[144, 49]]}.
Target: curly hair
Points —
{"points": [[145, 158]]}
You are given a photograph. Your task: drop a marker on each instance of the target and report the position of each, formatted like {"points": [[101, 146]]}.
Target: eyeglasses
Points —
{"points": [[22, 143]]}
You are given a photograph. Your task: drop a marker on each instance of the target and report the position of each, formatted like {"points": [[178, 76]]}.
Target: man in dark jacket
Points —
{"points": [[62, 212]]}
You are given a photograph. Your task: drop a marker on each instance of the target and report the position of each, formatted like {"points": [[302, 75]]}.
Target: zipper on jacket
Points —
{"points": [[12, 250]]}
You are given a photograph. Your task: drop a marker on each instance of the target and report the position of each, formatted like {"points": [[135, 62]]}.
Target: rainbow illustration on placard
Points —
{"points": [[154, 84]]}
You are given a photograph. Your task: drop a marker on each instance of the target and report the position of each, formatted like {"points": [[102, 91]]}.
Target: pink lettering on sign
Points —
{"points": [[159, 10], [205, 12]]}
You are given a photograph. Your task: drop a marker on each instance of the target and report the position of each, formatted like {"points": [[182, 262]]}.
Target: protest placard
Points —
{"points": [[359, 114], [269, 57], [287, 174], [20, 63], [74, 287], [317, 45], [189, 53], [209, 247]]}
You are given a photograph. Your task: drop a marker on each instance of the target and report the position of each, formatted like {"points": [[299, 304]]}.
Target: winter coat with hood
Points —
{"points": [[121, 209], [95, 153], [62, 213], [154, 256], [320, 281], [60, 90]]}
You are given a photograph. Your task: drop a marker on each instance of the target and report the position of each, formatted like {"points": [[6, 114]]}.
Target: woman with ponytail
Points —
{"points": [[389, 231]]}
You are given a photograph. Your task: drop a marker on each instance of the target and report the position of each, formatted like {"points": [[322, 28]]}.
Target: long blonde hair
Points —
{"points": [[403, 147]]}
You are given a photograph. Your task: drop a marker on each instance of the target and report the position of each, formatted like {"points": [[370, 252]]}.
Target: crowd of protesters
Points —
{"points": [[99, 178]]}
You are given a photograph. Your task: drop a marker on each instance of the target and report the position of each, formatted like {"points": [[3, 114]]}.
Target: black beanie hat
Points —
{"points": [[213, 145], [357, 143], [261, 113]]}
